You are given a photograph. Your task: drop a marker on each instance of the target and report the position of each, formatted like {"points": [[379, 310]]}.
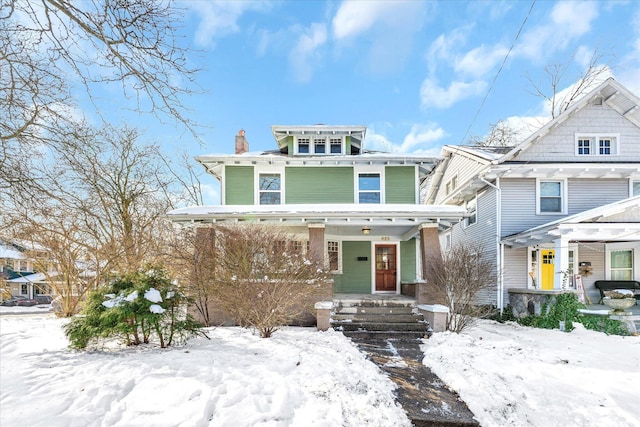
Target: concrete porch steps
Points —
{"points": [[378, 317]]}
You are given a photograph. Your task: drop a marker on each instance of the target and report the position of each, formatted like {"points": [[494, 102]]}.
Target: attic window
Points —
{"points": [[451, 185], [335, 145], [319, 145], [597, 144], [303, 145]]}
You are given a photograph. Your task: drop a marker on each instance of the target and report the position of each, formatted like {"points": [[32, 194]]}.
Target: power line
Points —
{"points": [[497, 73]]}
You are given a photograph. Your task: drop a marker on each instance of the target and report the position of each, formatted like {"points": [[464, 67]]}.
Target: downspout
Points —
{"points": [[499, 246]]}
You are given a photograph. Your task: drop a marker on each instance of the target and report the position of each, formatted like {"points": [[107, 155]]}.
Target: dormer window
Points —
{"points": [[597, 144], [319, 145], [303, 145], [336, 145]]}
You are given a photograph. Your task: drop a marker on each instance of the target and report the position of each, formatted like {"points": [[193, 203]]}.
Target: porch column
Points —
{"points": [[316, 243], [430, 256], [561, 262]]}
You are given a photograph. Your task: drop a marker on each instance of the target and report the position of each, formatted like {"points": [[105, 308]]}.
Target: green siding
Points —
{"points": [[290, 149], [408, 260], [400, 184], [356, 275], [307, 185], [238, 182]]}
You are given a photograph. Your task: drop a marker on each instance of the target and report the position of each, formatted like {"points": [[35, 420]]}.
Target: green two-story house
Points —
{"points": [[360, 209]]}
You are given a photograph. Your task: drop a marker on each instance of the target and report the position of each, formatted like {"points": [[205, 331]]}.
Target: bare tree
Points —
{"points": [[551, 90], [458, 279], [500, 135], [262, 277], [51, 50]]}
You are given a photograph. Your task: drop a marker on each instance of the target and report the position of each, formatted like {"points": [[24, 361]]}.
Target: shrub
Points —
{"points": [[136, 308], [457, 279], [263, 279], [564, 308], [604, 324]]}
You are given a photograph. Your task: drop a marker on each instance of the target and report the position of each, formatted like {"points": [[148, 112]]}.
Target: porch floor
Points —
{"points": [[374, 298]]}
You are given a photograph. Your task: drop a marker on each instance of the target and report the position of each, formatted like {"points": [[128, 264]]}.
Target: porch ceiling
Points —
{"points": [[392, 220]]}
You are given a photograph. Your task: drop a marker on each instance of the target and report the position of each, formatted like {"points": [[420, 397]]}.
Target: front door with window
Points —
{"points": [[547, 269], [386, 272]]}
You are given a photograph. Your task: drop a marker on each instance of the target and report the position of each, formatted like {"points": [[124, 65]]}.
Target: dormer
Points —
{"points": [[319, 140]]}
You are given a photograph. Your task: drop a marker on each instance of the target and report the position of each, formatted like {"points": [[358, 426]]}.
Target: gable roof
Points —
{"points": [[611, 92]]}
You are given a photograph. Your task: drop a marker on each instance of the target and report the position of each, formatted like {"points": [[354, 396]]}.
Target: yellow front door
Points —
{"points": [[548, 268]]}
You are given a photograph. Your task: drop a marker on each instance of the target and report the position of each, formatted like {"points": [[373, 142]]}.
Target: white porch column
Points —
{"points": [[561, 262]]}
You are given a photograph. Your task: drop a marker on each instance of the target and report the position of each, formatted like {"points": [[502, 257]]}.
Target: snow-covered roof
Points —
{"points": [[32, 278], [10, 252]]}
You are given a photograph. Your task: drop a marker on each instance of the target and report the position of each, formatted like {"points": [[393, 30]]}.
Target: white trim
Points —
{"points": [[373, 265], [267, 169], [595, 143], [563, 196], [621, 246], [368, 169]]}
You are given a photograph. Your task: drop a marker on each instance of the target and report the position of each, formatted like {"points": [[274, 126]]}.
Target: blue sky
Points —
{"points": [[415, 73]]}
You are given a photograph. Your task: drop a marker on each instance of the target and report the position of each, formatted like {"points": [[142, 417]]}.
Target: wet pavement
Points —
{"points": [[425, 398]]}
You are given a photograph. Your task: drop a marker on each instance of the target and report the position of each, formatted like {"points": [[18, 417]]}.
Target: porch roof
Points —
{"points": [[344, 219], [615, 222], [30, 278]]}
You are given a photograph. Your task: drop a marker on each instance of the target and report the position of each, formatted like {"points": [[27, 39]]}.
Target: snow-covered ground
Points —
{"points": [[300, 377], [510, 375], [507, 374]]}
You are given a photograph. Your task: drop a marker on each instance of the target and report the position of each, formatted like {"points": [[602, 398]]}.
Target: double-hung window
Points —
{"points": [[369, 188], [336, 145], [303, 145], [551, 197], [621, 264], [270, 189], [473, 212], [597, 144], [319, 145]]}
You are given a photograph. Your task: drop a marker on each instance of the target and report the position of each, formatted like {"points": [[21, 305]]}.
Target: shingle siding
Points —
{"points": [[559, 144]]}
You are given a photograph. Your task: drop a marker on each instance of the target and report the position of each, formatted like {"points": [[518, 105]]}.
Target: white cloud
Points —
{"points": [[304, 53], [444, 48], [356, 17], [480, 61], [220, 18], [422, 138], [567, 22], [432, 95], [389, 26]]}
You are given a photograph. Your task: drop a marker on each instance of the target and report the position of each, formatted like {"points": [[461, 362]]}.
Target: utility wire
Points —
{"points": [[498, 73]]}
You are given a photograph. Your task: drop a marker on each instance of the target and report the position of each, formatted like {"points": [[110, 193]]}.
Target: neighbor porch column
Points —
{"points": [[430, 255], [561, 262], [316, 243]]}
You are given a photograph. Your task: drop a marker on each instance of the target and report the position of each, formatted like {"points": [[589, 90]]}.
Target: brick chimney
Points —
{"points": [[242, 146]]}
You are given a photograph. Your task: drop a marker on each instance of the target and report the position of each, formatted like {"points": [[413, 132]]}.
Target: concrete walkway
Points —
{"points": [[425, 398]]}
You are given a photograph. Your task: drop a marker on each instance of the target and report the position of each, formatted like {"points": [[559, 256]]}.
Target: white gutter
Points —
{"points": [[499, 245]]}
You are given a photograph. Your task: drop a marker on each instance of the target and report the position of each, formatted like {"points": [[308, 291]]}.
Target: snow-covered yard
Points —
{"points": [[300, 377], [510, 375], [507, 374]]}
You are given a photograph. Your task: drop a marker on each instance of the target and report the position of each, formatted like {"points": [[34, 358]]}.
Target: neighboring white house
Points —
{"points": [[563, 202], [18, 275]]}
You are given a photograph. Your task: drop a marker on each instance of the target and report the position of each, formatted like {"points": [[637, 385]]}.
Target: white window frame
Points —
{"points": [[373, 169], [332, 142], [563, 197], [632, 182], [269, 170], [594, 146], [339, 243], [634, 247], [308, 141], [467, 221], [319, 140]]}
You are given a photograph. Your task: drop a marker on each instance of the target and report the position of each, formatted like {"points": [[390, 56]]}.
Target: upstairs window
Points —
{"points": [[319, 145], [472, 210], [336, 145], [303, 145], [635, 188], [597, 145], [551, 197], [451, 185], [369, 188], [270, 189]]}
